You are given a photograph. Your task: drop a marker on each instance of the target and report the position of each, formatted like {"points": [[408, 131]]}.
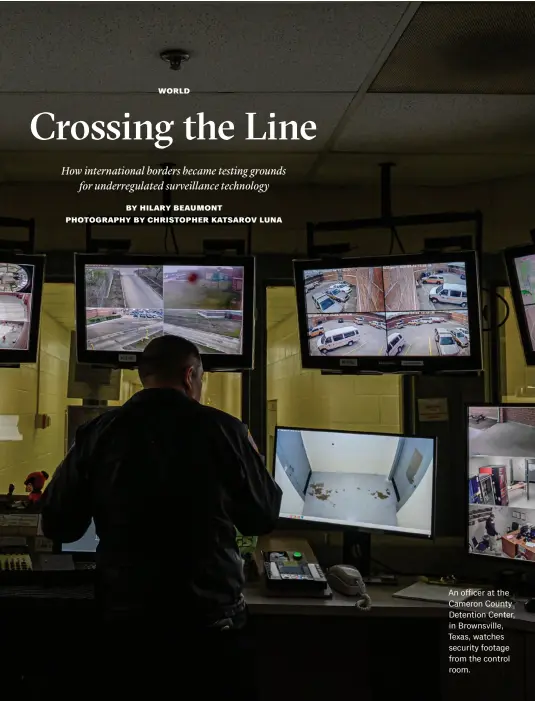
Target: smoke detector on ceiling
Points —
{"points": [[175, 58]]}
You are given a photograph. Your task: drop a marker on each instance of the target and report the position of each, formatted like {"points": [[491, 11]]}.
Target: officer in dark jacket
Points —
{"points": [[167, 481]]}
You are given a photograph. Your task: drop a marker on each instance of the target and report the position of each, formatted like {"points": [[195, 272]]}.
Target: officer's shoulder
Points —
{"points": [[99, 421], [221, 418]]}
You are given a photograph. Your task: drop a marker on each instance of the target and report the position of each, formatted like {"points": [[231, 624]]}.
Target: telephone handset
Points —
{"points": [[347, 580]]}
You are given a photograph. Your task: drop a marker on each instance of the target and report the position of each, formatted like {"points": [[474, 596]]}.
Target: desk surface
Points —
{"points": [[512, 538], [384, 605]]}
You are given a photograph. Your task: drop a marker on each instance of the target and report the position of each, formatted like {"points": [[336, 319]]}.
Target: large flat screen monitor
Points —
{"points": [[123, 302], [363, 480], [501, 481], [521, 271], [21, 290], [391, 314]]}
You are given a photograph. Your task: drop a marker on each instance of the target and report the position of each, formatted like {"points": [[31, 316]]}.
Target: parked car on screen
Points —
{"points": [[315, 331], [445, 342], [395, 344], [337, 338], [414, 322], [434, 280], [449, 293], [461, 337], [338, 295], [324, 303]]}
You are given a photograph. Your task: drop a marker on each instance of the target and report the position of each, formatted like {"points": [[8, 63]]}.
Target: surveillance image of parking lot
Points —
{"points": [[112, 329], [427, 334], [347, 335], [425, 287], [213, 331], [344, 290], [125, 287]]}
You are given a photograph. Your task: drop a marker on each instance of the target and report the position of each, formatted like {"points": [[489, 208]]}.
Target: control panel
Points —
{"points": [[15, 562], [290, 571]]}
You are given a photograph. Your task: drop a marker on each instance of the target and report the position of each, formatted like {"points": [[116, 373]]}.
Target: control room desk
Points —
{"points": [[400, 645], [511, 545]]}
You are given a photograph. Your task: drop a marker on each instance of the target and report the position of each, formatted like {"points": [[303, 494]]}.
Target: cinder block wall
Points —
{"points": [[305, 398]]}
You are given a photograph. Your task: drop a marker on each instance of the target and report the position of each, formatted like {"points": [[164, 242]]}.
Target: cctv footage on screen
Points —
{"points": [[525, 270], [501, 473], [407, 310], [127, 306], [366, 480], [16, 285]]}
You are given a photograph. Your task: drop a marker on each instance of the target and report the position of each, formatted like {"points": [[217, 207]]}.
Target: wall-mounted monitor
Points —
{"points": [[21, 291], [357, 480], [410, 313], [124, 301], [500, 482], [520, 264]]}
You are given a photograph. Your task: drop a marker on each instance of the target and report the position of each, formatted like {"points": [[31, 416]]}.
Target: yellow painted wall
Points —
{"points": [[305, 398], [32, 389], [42, 388], [518, 379], [222, 390]]}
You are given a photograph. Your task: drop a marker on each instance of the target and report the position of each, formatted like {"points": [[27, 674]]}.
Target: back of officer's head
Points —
{"points": [[172, 361]]}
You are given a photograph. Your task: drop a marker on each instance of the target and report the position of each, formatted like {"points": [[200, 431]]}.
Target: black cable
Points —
{"points": [[507, 311], [172, 231], [394, 238], [169, 230]]}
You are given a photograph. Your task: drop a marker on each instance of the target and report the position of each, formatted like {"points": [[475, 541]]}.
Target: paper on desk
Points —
{"points": [[420, 591]]}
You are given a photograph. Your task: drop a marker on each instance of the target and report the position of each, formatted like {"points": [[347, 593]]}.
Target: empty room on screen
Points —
{"points": [[382, 481]]}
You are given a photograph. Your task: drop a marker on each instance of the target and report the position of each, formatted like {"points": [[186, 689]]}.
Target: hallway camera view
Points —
{"points": [[501, 482], [415, 311], [128, 306], [16, 278], [375, 481], [525, 270], [16, 283]]}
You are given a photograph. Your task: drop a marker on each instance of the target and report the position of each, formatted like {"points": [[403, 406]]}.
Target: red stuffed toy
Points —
{"points": [[34, 484]]}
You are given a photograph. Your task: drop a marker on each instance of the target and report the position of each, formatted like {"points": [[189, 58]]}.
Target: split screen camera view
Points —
{"points": [[373, 481], [16, 285], [501, 482], [525, 270], [127, 306], [408, 310]]}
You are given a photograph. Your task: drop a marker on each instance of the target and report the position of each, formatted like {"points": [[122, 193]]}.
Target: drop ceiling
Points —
{"points": [[381, 79]]}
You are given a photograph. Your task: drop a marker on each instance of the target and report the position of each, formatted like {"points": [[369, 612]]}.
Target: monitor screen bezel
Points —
{"points": [[19, 356], [211, 361], [529, 565], [285, 521], [400, 364], [511, 255]]}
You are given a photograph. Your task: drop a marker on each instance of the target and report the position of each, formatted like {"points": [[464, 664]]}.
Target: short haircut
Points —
{"points": [[166, 358]]}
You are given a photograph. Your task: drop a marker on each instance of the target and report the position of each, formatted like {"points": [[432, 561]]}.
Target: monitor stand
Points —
{"points": [[357, 552]]}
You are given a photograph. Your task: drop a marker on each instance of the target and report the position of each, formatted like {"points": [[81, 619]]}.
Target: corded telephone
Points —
{"points": [[347, 580]]}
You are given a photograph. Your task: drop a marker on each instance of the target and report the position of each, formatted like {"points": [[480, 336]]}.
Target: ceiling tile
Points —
{"points": [[464, 47], [319, 46], [461, 124], [424, 169]]}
